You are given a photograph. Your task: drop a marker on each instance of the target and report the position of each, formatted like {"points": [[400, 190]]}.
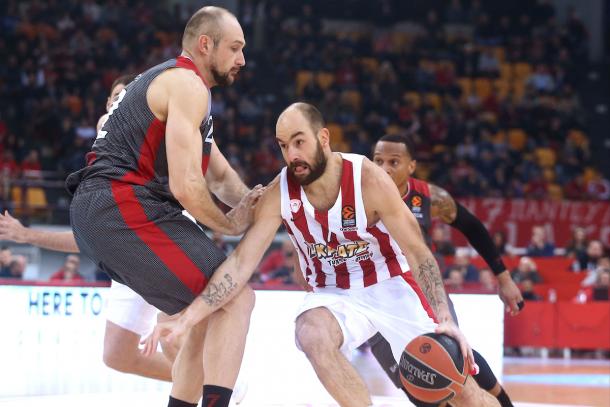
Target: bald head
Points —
{"points": [[206, 21], [309, 112]]}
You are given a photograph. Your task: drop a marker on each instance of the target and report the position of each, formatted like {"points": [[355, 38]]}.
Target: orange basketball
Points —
{"points": [[432, 368]]}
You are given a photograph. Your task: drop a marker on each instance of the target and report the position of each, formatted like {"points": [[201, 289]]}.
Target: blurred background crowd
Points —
{"points": [[503, 99]]}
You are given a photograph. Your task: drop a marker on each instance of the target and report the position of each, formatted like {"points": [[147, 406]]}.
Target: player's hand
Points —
{"points": [[11, 229], [509, 293], [172, 330], [243, 214], [448, 327]]}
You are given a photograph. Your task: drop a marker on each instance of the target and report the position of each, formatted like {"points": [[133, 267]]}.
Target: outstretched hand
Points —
{"points": [[11, 228], [172, 330]]}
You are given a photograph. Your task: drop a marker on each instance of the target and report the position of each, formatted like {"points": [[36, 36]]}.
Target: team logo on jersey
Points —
{"points": [[348, 217], [295, 205], [341, 253]]}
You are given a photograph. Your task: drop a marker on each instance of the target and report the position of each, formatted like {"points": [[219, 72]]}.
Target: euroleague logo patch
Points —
{"points": [[348, 216], [416, 201]]}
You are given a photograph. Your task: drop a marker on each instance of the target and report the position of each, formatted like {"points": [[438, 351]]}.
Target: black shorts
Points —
{"points": [[144, 242]]}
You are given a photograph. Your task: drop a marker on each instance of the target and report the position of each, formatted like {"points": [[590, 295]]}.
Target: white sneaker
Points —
{"points": [[239, 392]]}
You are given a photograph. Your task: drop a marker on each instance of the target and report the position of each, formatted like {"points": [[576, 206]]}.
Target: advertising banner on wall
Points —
{"points": [[516, 217]]}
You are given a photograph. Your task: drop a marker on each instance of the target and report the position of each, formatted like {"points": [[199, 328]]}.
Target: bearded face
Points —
{"points": [[304, 172]]}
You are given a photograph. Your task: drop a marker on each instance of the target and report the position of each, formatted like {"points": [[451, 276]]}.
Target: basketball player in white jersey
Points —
{"points": [[350, 229]]}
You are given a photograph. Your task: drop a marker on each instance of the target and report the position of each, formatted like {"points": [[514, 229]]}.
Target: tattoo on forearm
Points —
{"points": [[431, 284], [215, 293]]}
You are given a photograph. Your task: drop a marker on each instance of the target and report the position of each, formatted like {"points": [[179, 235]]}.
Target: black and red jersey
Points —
{"points": [[130, 147], [418, 200]]}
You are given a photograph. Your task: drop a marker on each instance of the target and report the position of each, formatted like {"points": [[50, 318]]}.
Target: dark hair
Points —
{"points": [[208, 17], [122, 80], [4, 247], [398, 138], [312, 114]]}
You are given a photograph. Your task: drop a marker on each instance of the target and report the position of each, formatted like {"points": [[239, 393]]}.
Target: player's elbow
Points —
{"points": [[182, 189]]}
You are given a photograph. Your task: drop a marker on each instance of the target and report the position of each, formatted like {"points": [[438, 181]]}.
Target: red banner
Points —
{"points": [[516, 217]]}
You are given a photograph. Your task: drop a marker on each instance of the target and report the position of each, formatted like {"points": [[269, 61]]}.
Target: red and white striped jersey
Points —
{"points": [[336, 248]]}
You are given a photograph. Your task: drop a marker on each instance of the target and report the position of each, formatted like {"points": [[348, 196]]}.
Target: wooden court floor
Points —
{"points": [[554, 382]]}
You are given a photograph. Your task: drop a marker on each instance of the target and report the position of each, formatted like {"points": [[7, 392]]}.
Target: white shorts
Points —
{"points": [[129, 310], [391, 307]]}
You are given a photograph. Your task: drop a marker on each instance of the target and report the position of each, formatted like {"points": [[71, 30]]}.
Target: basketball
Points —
{"points": [[432, 368]]}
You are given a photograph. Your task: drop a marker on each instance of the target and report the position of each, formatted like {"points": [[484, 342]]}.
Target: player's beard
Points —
{"points": [[315, 170], [221, 78]]}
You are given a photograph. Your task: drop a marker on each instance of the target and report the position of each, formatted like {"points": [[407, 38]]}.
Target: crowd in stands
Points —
{"points": [[489, 94]]}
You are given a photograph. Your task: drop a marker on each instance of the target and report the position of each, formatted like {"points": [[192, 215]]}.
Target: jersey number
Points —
{"points": [[115, 105]]}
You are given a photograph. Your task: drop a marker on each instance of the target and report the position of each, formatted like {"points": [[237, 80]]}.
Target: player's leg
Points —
{"points": [[226, 335], [320, 337], [187, 370], [488, 381], [121, 353], [473, 395], [129, 318]]}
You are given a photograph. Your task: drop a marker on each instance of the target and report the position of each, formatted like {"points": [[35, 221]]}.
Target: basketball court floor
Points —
{"points": [[531, 383]]}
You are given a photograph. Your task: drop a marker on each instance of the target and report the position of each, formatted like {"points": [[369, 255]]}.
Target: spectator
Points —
{"points": [[526, 270], [541, 80], [6, 257], [462, 264], [527, 290], [602, 265], [595, 251], [454, 280], [487, 280], [278, 265], [17, 267], [441, 242], [69, 271], [577, 246], [539, 245], [499, 239], [601, 290]]}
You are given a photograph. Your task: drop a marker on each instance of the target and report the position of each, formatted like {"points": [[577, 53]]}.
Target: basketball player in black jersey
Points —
{"points": [[395, 154], [154, 158]]}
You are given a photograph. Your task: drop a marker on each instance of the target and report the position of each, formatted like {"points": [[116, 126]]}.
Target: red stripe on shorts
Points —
{"points": [[156, 239], [408, 277]]}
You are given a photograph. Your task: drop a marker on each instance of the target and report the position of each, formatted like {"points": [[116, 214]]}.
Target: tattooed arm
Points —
{"points": [[458, 217], [442, 204], [234, 273], [382, 201]]}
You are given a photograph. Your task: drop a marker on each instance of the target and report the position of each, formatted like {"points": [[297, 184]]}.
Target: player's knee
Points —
{"points": [[116, 358], [470, 396], [313, 335]]}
